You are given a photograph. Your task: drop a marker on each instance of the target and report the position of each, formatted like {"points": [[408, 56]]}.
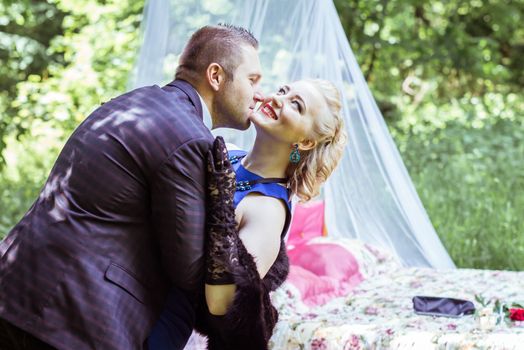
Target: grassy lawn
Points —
{"points": [[471, 182]]}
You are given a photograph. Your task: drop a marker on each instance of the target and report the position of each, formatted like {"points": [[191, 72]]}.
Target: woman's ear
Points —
{"points": [[306, 145], [215, 76]]}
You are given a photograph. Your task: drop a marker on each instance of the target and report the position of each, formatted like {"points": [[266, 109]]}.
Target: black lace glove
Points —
{"points": [[222, 235]]}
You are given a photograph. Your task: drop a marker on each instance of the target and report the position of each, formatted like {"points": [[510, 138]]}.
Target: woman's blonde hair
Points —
{"points": [[317, 164]]}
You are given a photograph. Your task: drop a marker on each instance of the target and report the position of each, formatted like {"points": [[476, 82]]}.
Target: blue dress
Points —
{"points": [[167, 334]]}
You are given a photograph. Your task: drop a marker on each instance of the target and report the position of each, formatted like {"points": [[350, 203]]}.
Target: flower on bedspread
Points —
{"points": [[353, 343], [370, 310], [319, 344], [516, 314]]}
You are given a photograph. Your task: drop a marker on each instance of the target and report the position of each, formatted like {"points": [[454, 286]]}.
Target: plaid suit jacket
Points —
{"points": [[120, 219]]}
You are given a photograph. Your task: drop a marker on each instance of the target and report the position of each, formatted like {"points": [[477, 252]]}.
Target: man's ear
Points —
{"points": [[215, 76], [306, 145]]}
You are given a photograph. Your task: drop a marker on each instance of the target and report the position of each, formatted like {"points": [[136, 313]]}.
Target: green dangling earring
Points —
{"points": [[294, 157]]}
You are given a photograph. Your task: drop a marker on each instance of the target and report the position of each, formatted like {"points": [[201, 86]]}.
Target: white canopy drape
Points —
{"points": [[370, 196]]}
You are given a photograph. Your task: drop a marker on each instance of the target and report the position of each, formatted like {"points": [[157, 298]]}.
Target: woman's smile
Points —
{"points": [[269, 111]]}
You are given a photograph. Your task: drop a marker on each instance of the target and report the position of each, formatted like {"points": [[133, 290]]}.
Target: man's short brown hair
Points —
{"points": [[220, 44]]}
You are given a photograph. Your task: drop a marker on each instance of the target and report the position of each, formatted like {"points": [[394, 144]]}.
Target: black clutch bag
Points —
{"points": [[447, 307]]}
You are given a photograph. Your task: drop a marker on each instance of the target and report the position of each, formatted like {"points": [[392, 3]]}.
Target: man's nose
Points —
{"points": [[259, 97]]}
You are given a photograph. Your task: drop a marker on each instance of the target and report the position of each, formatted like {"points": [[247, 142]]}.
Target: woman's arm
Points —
{"points": [[232, 275], [261, 221]]}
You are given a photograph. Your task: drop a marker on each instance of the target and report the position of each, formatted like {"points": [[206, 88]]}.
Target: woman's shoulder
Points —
{"points": [[267, 211], [265, 202]]}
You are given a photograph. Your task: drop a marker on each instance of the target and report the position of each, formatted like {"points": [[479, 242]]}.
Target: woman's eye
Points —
{"points": [[281, 91], [297, 105]]}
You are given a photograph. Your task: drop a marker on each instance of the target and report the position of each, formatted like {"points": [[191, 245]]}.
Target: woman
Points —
{"points": [[299, 142]]}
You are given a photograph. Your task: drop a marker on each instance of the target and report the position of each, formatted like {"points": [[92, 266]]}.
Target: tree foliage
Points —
{"points": [[437, 51], [26, 30], [83, 56]]}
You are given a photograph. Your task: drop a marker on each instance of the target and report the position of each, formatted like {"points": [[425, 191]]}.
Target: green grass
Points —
{"points": [[471, 182]]}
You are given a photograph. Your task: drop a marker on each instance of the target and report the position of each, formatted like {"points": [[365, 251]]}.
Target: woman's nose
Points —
{"points": [[276, 100]]}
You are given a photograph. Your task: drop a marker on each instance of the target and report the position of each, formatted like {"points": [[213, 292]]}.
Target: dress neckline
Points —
{"points": [[238, 159], [248, 171]]}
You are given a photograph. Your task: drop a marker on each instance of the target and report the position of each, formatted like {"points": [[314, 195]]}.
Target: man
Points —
{"points": [[120, 219]]}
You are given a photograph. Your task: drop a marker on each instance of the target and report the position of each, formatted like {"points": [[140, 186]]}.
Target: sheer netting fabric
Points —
{"points": [[370, 196]]}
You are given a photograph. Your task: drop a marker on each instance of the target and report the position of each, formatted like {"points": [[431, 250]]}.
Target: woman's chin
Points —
{"points": [[258, 128], [255, 118], [258, 123], [259, 118]]}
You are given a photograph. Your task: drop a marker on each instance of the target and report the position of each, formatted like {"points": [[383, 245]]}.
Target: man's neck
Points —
{"points": [[208, 120]]}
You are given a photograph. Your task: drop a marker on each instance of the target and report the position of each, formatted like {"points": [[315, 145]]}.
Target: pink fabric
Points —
{"points": [[307, 223], [322, 271]]}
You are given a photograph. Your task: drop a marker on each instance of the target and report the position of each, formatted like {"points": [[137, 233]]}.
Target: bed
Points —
{"points": [[378, 313]]}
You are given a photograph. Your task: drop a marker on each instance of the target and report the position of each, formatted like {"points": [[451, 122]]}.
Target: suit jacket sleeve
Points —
{"points": [[178, 213]]}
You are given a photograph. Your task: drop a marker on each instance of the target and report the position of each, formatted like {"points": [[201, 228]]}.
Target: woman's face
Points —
{"points": [[291, 113]]}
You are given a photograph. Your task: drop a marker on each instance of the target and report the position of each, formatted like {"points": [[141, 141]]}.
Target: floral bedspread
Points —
{"points": [[378, 313]]}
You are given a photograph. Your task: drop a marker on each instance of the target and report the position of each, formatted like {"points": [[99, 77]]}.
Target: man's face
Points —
{"points": [[235, 101]]}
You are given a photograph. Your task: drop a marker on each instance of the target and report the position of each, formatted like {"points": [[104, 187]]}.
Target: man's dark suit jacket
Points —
{"points": [[120, 219]]}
